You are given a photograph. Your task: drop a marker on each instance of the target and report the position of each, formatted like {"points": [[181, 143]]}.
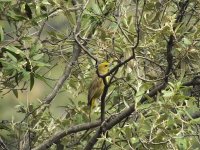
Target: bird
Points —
{"points": [[97, 85]]}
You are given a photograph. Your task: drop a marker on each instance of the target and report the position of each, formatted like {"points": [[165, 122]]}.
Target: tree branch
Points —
{"points": [[74, 129]]}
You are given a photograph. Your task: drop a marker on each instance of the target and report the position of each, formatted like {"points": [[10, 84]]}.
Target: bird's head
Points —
{"points": [[103, 68]]}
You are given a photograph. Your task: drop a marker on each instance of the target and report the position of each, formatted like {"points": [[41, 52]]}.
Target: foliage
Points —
{"points": [[152, 45]]}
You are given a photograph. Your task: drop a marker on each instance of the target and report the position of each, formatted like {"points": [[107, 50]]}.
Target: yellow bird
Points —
{"points": [[97, 86]]}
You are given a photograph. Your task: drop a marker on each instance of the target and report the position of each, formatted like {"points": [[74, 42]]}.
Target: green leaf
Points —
{"points": [[1, 34], [31, 80], [168, 93], [12, 57], [134, 140], [141, 90], [35, 48], [128, 132], [26, 75], [195, 121], [182, 144], [38, 56], [46, 2], [125, 103], [16, 17], [144, 106], [113, 26], [38, 10], [186, 41], [15, 50], [95, 8], [41, 64], [79, 119]]}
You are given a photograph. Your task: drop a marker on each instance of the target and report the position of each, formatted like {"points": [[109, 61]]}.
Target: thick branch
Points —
{"points": [[61, 134]]}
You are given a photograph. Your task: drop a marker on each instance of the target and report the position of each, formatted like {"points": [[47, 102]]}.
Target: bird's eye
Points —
{"points": [[106, 65]]}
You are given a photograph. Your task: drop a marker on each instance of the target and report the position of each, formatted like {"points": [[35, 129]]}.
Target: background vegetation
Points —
{"points": [[49, 50]]}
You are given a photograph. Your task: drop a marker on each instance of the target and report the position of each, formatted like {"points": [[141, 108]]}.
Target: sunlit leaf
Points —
{"points": [[187, 41], [168, 93], [15, 50]]}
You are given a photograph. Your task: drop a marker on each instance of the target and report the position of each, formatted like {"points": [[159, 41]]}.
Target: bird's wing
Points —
{"points": [[94, 87]]}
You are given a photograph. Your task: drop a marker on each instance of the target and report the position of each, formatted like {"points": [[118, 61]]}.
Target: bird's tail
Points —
{"points": [[91, 105]]}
